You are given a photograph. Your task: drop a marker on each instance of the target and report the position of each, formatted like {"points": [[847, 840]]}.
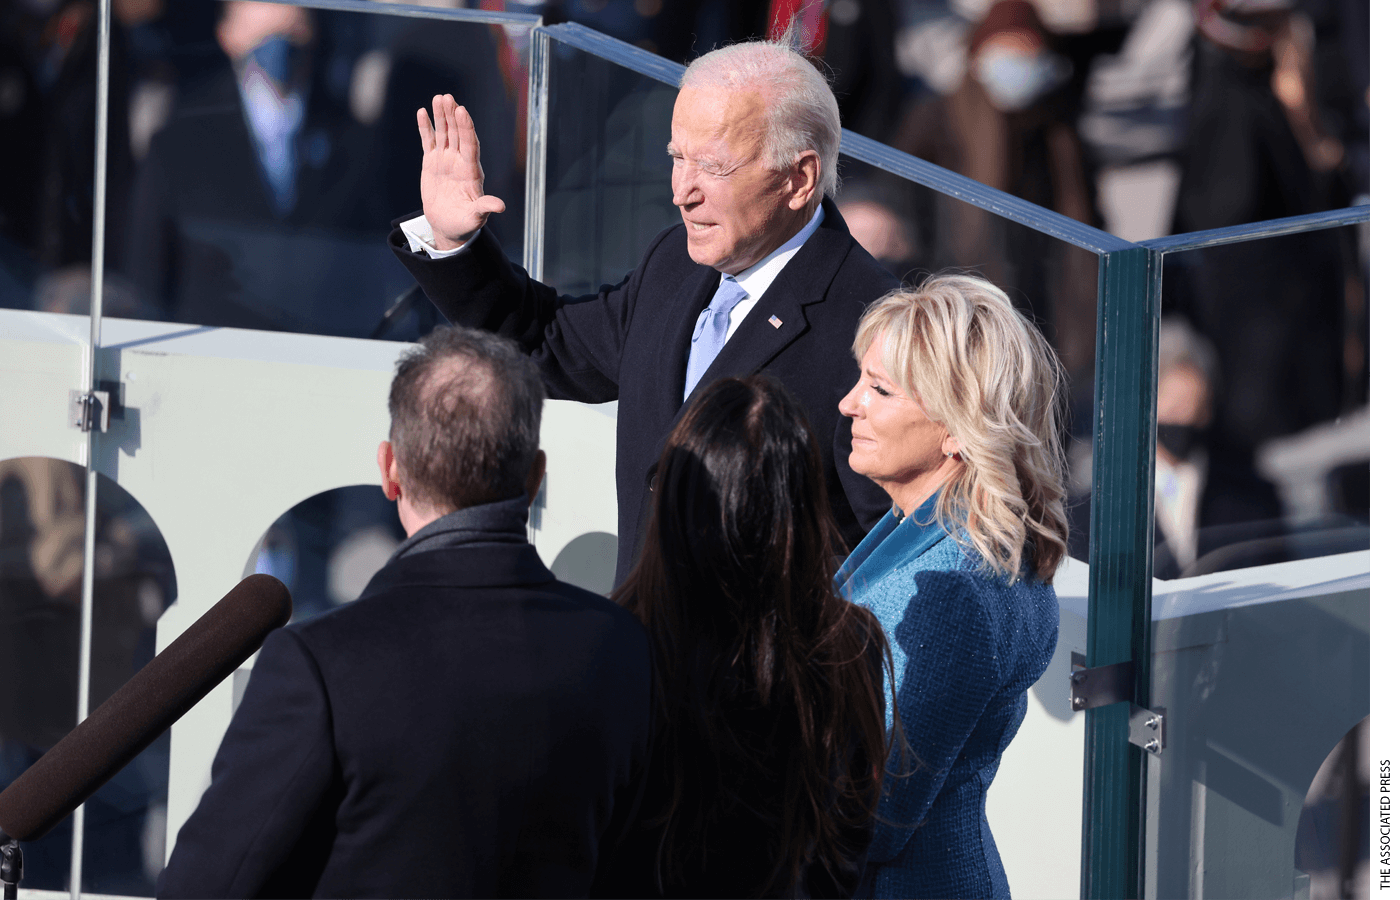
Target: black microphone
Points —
{"points": [[150, 702]]}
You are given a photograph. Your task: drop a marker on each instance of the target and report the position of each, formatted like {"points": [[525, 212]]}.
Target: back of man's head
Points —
{"points": [[802, 110], [464, 413]]}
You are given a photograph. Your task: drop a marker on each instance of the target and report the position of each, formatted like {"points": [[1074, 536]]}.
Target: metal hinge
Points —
{"points": [[1106, 685], [1147, 729], [89, 410], [1100, 686]]}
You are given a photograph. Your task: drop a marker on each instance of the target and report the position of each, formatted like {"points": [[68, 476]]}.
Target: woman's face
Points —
{"points": [[892, 442]]}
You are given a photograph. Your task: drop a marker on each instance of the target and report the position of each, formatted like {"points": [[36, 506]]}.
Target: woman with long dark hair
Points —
{"points": [[769, 742]]}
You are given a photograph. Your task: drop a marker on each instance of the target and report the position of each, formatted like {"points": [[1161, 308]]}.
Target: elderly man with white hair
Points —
{"points": [[762, 274]]}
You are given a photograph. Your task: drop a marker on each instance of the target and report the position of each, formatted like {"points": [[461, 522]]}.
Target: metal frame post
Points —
{"points": [[537, 133], [1120, 564]]}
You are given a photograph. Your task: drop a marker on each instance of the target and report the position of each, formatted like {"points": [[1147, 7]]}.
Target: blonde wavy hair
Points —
{"points": [[959, 349]]}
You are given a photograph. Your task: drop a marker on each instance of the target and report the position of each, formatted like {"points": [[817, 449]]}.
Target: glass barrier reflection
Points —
{"points": [[48, 107], [285, 145], [41, 567], [327, 547], [1263, 450], [608, 178], [1261, 634]]}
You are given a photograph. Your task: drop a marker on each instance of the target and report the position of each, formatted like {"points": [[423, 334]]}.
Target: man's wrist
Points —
{"points": [[445, 244], [423, 239]]}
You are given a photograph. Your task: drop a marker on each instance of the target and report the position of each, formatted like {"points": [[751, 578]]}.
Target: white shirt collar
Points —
{"points": [[757, 277]]}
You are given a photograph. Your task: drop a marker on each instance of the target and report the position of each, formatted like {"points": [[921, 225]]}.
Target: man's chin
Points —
{"points": [[699, 255]]}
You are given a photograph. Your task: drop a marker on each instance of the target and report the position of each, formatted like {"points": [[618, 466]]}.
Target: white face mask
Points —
{"points": [[1015, 80]]}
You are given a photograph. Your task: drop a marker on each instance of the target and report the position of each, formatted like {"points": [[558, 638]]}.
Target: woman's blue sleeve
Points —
{"points": [[951, 673]]}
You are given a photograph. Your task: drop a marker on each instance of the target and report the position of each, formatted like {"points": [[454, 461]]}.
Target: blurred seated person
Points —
{"points": [[769, 736], [957, 417], [257, 201], [470, 726], [1201, 482]]}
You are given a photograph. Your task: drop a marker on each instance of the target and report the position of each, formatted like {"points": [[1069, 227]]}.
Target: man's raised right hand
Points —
{"points": [[452, 181]]}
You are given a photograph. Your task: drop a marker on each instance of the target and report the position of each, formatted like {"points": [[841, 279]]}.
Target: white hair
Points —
{"points": [[801, 109]]}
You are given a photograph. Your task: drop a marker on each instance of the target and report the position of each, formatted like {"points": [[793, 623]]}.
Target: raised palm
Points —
{"points": [[452, 184]]}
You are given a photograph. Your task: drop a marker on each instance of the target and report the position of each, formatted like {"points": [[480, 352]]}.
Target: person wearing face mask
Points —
{"points": [[1011, 124], [1205, 492], [255, 204]]}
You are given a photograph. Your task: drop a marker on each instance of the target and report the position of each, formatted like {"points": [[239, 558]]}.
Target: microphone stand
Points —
{"points": [[11, 865]]}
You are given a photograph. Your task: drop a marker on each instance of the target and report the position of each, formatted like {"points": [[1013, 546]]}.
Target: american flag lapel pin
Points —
{"points": [[775, 321]]}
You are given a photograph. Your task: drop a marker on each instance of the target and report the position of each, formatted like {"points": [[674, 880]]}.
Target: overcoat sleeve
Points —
{"points": [[576, 341], [264, 826]]}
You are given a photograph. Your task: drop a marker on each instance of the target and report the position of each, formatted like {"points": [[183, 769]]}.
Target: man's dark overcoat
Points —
{"points": [[470, 726], [630, 342]]}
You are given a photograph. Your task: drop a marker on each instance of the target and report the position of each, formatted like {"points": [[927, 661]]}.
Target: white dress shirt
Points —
{"points": [[756, 279]]}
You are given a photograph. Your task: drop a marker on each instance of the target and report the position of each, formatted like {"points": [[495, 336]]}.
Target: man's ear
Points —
{"points": [[806, 175], [536, 476], [389, 472]]}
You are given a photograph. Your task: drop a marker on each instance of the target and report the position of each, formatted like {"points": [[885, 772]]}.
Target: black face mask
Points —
{"points": [[1180, 440]]}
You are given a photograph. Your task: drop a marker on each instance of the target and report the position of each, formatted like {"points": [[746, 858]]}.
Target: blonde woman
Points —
{"points": [[956, 415]]}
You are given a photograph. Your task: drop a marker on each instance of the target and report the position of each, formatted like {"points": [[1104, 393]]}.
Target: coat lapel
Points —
{"points": [[802, 283], [673, 348]]}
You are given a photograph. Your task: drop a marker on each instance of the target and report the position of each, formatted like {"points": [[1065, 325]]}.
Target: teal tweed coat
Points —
{"points": [[967, 645]]}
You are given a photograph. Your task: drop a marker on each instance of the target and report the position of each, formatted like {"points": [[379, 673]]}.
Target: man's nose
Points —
{"points": [[684, 191]]}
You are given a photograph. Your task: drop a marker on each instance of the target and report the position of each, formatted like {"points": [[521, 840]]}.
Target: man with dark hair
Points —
{"points": [[469, 726]]}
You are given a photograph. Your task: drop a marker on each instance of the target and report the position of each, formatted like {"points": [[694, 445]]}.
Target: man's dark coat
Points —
{"points": [[466, 728], [631, 342]]}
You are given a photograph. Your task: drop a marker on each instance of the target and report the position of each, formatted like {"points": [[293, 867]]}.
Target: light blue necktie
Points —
{"points": [[710, 330]]}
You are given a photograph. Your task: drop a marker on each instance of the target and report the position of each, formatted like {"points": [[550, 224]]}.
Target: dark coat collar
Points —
{"points": [[469, 566]]}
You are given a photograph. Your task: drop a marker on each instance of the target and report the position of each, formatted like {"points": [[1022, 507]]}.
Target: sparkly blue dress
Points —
{"points": [[966, 648]]}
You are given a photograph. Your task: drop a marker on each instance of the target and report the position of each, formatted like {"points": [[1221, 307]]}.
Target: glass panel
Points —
{"points": [[272, 147], [608, 178], [327, 547], [1263, 417], [48, 74], [1261, 643], [41, 567], [134, 582], [41, 570]]}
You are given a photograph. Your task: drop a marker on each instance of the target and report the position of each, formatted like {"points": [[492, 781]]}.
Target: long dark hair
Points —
{"points": [[768, 681]]}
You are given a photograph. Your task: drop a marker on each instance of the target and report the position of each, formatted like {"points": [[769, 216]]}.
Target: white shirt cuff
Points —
{"points": [[420, 238]]}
